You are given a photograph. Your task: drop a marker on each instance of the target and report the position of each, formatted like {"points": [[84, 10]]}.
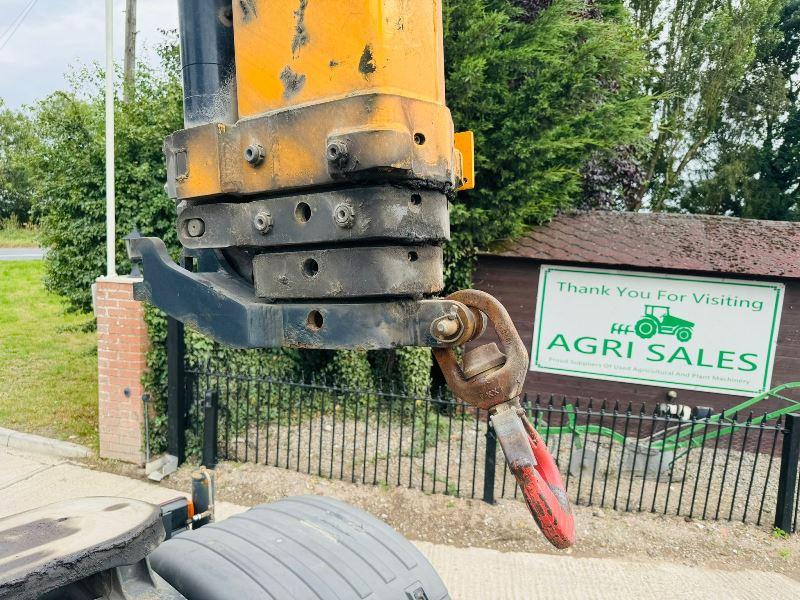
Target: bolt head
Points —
{"points": [[344, 215], [336, 149], [254, 154], [338, 154], [195, 227], [263, 221], [445, 329]]}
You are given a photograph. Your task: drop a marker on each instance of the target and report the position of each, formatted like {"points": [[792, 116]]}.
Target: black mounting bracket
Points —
{"points": [[222, 305]]}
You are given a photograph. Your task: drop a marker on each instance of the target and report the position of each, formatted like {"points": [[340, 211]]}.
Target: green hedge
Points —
{"points": [[70, 190], [201, 351]]}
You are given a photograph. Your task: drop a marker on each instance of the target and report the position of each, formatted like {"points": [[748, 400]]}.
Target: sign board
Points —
{"points": [[694, 333]]}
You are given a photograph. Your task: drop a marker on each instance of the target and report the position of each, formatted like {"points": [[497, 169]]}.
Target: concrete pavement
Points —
{"points": [[472, 573], [21, 254], [28, 442], [30, 480]]}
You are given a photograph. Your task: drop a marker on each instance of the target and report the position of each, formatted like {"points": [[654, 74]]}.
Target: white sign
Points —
{"points": [[695, 333]]}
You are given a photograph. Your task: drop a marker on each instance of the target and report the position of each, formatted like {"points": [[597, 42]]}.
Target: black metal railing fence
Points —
{"points": [[732, 467]]}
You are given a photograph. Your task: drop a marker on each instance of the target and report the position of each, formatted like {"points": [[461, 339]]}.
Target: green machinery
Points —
{"points": [[679, 438]]}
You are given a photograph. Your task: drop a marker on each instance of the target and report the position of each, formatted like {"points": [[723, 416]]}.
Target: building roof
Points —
{"points": [[665, 241]]}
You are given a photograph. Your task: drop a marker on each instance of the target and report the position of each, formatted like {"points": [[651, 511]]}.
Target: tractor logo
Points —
{"points": [[658, 319]]}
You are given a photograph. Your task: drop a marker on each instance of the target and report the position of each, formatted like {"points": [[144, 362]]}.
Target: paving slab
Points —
{"points": [[18, 467], [32, 480], [472, 573]]}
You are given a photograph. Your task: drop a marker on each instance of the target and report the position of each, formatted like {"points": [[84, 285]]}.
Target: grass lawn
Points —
{"points": [[48, 365], [18, 237]]}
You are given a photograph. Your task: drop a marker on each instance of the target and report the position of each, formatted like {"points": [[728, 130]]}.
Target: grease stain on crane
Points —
{"points": [[301, 32], [292, 82], [249, 11], [367, 63]]}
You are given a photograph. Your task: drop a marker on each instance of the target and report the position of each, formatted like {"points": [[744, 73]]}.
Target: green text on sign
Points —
{"points": [[696, 333]]}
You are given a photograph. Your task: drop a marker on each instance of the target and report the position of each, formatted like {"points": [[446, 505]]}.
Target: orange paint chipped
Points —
{"points": [[465, 145], [291, 53], [374, 75]]}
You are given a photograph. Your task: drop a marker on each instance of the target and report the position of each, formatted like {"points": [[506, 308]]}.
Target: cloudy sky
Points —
{"points": [[59, 33]]}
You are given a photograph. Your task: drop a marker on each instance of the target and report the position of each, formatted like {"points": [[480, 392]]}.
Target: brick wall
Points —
{"points": [[121, 346]]}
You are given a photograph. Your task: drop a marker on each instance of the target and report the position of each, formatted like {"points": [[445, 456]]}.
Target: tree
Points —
{"points": [[702, 52], [70, 187], [754, 165], [18, 162], [612, 179], [545, 87]]}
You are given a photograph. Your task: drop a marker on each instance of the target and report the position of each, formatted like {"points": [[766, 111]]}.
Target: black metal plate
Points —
{"points": [[224, 307], [409, 271], [353, 215]]}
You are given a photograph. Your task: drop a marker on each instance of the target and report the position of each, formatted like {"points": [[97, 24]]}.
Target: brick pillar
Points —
{"points": [[122, 343]]}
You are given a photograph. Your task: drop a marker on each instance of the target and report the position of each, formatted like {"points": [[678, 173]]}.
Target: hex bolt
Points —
{"points": [[338, 154], [344, 215], [254, 154], [195, 227], [263, 222]]}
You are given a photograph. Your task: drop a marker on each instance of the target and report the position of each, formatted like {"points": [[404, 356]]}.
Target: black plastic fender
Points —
{"points": [[306, 547]]}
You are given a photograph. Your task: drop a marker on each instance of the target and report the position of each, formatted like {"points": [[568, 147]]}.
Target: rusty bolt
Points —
{"points": [[263, 221], [338, 154], [254, 154], [195, 227], [447, 327], [344, 215]]}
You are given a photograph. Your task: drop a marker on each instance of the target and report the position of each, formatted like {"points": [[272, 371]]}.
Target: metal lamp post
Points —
{"points": [[111, 221]]}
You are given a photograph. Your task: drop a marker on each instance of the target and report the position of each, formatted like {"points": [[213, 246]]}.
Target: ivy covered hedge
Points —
{"points": [[200, 350], [407, 370]]}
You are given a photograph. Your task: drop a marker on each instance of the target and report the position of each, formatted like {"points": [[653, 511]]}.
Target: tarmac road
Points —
{"points": [[30, 480], [21, 254]]}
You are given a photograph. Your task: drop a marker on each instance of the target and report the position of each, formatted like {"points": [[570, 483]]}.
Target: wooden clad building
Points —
{"points": [[680, 247]]}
